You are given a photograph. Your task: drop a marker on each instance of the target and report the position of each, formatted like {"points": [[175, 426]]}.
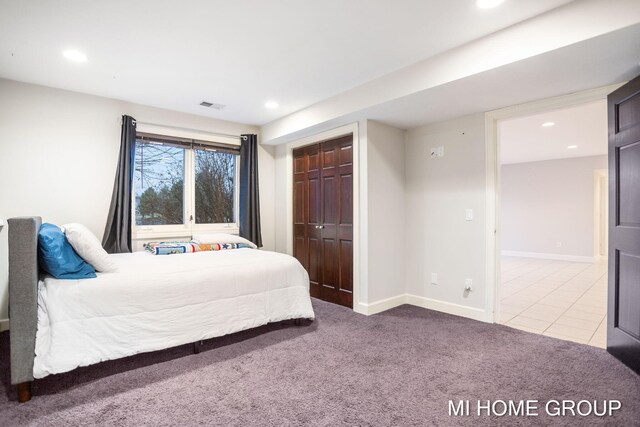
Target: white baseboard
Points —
{"points": [[361, 308], [418, 301], [555, 257], [4, 325], [448, 307], [382, 305]]}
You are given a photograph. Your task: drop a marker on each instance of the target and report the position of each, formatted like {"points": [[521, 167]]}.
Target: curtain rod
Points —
{"points": [[226, 135]]}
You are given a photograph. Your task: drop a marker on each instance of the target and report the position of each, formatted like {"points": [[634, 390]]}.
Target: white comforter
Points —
{"points": [[160, 301]]}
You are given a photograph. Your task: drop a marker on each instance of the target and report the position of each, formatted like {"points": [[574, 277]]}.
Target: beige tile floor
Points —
{"points": [[566, 300]]}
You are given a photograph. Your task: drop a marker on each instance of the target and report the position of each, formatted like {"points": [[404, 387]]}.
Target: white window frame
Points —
{"points": [[189, 227]]}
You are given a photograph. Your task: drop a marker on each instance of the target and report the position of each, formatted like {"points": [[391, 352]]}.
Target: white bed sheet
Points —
{"points": [[160, 301]]}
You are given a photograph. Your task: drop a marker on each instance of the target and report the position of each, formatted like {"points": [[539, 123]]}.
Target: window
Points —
{"points": [[182, 184], [159, 182], [215, 186]]}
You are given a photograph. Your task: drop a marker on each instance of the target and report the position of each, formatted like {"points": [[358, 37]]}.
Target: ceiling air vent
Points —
{"points": [[212, 105]]}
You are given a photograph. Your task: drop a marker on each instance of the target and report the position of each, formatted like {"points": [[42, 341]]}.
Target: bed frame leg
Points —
{"points": [[196, 346], [297, 322], [24, 392]]}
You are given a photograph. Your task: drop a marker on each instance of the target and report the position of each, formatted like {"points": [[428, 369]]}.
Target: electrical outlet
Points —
{"points": [[558, 244], [434, 278], [468, 285]]}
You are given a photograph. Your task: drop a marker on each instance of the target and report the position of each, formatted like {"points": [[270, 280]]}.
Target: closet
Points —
{"points": [[323, 217]]}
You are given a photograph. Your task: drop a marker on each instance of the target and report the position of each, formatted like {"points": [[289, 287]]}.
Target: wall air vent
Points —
{"points": [[212, 105]]}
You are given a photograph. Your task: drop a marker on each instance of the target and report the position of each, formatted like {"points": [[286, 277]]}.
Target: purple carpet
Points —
{"points": [[398, 368]]}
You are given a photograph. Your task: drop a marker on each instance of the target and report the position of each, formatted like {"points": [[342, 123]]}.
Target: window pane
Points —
{"points": [[159, 184], [215, 187]]}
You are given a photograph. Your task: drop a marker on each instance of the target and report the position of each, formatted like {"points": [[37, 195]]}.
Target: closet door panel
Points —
{"points": [[299, 200], [346, 200], [344, 221], [329, 269], [314, 266], [329, 201], [314, 202], [313, 158], [330, 260], [346, 272], [299, 249], [313, 218], [329, 187]]}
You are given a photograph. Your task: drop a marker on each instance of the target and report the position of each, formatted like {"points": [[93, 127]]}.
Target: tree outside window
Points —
{"points": [[159, 180]]}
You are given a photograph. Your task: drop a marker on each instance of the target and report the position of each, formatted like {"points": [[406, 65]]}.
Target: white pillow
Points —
{"points": [[212, 238], [87, 245]]}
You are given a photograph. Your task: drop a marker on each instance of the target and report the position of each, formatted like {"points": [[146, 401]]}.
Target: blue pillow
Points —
{"points": [[57, 257]]}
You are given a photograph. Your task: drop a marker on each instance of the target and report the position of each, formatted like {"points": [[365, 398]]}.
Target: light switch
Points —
{"points": [[436, 151], [468, 214]]}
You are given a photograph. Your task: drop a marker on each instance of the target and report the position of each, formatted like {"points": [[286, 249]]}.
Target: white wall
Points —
{"points": [[386, 211], [438, 239], [58, 153], [281, 198], [546, 202]]}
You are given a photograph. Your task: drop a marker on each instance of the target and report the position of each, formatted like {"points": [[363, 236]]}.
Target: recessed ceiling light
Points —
{"points": [[547, 124], [74, 55], [272, 104], [488, 4], [571, 147]]}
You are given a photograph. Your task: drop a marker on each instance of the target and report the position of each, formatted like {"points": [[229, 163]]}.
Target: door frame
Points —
{"points": [[492, 162], [600, 215], [359, 245]]}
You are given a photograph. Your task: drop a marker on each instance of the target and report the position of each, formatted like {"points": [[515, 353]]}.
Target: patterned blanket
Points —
{"points": [[168, 248]]}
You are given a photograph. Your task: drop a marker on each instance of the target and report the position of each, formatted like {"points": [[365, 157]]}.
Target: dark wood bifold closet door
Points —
{"points": [[323, 217]]}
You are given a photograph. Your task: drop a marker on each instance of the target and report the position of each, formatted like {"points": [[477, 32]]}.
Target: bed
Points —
{"points": [[153, 302]]}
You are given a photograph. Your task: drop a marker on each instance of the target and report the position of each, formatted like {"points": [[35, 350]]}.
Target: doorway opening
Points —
{"points": [[552, 228]]}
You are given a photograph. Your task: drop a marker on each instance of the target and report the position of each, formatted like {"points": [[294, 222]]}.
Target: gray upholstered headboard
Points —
{"points": [[23, 295]]}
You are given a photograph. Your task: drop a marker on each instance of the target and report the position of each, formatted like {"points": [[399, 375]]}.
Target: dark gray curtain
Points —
{"points": [[249, 193], [117, 234]]}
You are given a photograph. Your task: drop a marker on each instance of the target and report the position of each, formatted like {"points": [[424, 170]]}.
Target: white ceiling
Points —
{"points": [[580, 66], [586, 65], [175, 54], [524, 139]]}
